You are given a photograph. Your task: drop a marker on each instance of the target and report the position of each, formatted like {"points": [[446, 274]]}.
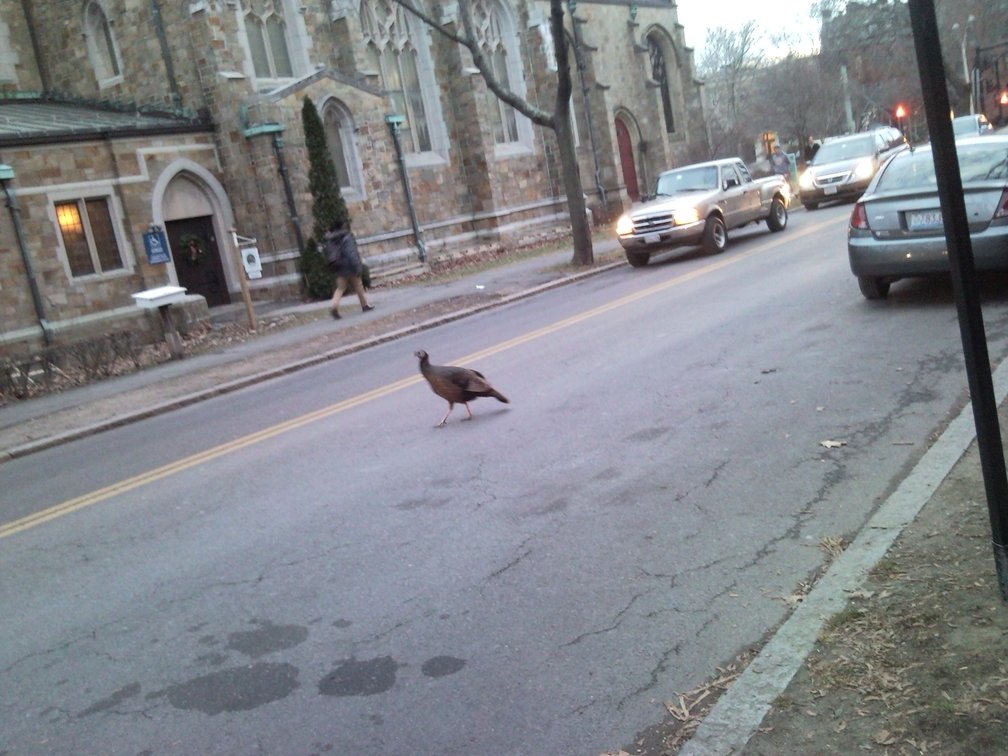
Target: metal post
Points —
{"points": [[848, 108], [393, 121], [964, 280], [15, 213]]}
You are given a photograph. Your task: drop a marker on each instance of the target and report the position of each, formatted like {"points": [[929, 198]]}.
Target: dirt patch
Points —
{"points": [[916, 663]]}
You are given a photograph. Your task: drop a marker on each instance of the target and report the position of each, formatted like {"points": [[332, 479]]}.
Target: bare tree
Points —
{"points": [[728, 65], [805, 102], [558, 120]]}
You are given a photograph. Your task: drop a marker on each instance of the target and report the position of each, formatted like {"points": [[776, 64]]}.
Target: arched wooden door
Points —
{"points": [[627, 162]]}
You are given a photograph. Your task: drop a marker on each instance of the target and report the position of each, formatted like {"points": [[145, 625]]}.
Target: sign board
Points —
{"points": [[156, 246], [252, 262]]}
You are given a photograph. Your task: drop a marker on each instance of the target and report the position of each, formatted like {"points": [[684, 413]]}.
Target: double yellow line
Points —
{"points": [[186, 463]]}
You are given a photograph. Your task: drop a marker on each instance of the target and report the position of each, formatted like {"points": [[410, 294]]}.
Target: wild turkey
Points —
{"points": [[456, 384]]}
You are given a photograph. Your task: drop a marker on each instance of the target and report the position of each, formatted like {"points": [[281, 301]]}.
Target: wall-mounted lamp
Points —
{"points": [[633, 11], [6, 172]]}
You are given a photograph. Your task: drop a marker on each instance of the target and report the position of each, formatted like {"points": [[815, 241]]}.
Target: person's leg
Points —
{"points": [[358, 286], [341, 284]]}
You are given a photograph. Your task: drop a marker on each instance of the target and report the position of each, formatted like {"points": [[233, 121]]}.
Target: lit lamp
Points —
{"points": [[1004, 97]]}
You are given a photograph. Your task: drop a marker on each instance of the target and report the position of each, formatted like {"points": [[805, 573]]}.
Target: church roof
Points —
{"points": [[37, 121]]}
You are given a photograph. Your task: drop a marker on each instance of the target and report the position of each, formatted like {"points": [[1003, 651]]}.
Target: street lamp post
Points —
{"points": [[966, 71]]}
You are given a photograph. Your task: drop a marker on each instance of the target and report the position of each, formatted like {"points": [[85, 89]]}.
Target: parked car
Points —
{"points": [[843, 165], [699, 204], [896, 228], [971, 125]]}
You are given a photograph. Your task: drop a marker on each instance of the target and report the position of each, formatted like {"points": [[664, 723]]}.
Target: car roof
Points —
{"points": [[858, 135]]}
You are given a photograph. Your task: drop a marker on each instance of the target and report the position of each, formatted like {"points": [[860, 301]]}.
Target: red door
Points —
{"points": [[626, 157]]}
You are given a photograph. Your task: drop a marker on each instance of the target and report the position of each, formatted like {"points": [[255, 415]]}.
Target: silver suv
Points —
{"points": [[844, 165]]}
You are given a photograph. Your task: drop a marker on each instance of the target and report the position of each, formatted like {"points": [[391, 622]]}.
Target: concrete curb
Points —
{"points": [[225, 388], [738, 713]]}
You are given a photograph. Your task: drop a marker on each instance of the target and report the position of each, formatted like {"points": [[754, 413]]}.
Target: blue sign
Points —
{"points": [[156, 246]]}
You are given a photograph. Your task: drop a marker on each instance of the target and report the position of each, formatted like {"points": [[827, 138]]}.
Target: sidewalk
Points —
{"points": [[912, 660]]}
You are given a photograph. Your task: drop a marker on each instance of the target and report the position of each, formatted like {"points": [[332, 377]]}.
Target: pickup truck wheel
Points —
{"points": [[777, 220], [873, 287], [715, 236], [638, 259]]}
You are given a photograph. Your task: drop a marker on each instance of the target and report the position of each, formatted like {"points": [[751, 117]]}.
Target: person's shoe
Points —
{"points": [[335, 314], [367, 308]]}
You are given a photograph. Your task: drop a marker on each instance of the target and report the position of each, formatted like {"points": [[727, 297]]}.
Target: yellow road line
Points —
{"points": [[186, 463]]}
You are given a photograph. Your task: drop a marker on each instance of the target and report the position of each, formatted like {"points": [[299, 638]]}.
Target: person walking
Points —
{"points": [[345, 262], [781, 162]]}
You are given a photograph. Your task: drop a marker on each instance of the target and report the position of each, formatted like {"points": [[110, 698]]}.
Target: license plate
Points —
{"points": [[829, 190], [652, 238], [924, 220]]}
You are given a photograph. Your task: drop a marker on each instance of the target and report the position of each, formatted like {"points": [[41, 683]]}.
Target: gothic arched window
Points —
{"points": [[405, 69], [266, 30], [101, 44], [659, 74], [343, 148], [495, 33]]}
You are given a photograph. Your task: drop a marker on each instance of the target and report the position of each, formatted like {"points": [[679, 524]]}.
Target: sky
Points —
{"points": [[791, 16]]}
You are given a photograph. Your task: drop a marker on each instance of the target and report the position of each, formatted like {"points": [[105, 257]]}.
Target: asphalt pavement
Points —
{"points": [[47, 421]]}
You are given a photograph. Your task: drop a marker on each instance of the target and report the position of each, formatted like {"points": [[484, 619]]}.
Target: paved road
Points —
{"points": [[307, 565]]}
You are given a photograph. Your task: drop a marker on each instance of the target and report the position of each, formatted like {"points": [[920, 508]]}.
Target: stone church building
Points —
{"points": [[126, 121]]}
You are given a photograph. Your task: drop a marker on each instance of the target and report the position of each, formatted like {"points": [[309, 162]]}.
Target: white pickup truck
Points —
{"points": [[698, 204]]}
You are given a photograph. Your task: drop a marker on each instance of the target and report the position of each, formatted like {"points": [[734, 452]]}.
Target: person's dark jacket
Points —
{"points": [[341, 253]]}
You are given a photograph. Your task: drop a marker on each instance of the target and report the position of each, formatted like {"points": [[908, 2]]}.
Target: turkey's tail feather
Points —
{"points": [[499, 396]]}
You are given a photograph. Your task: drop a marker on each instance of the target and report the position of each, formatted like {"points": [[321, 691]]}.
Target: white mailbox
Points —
{"points": [[160, 296], [160, 299]]}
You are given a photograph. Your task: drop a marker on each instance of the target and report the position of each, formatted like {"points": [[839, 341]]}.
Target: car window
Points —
{"points": [[961, 126], [915, 170], [846, 149], [688, 180], [743, 172]]}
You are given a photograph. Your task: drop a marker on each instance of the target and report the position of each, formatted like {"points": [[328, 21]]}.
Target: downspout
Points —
{"points": [[36, 48], [26, 257], [291, 207], [166, 54], [579, 62], [275, 130], [394, 122]]}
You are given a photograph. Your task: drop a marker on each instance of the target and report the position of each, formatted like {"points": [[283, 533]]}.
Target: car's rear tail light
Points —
{"points": [[1002, 206], [859, 218]]}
